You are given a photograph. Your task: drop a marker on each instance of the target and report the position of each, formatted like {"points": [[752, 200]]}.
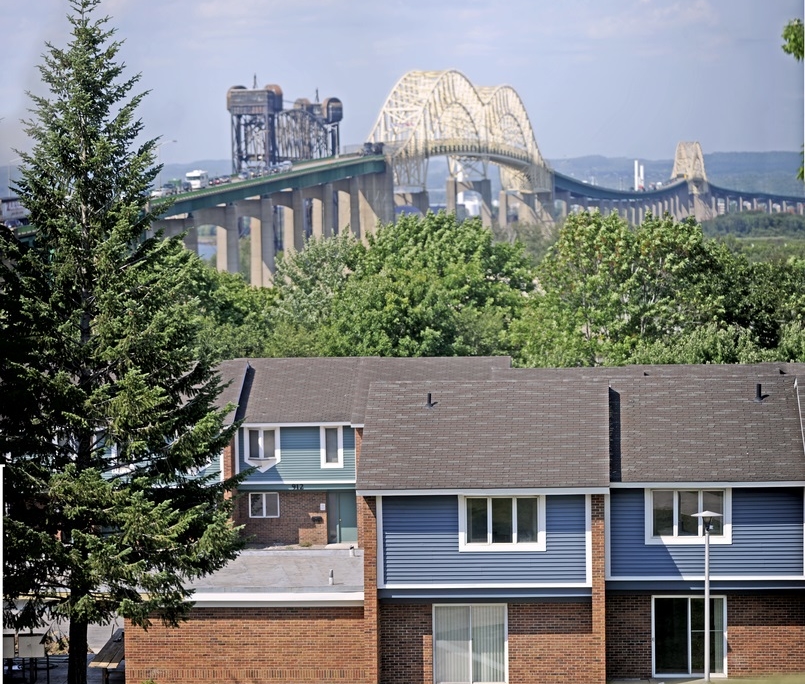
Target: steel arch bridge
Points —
{"points": [[441, 113]]}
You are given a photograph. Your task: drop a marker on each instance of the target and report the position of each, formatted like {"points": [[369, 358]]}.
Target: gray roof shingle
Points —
{"points": [[485, 435], [689, 429], [333, 390]]}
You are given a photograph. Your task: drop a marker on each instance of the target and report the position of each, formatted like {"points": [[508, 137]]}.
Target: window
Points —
{"points": [[332, 447], [264, 505], [670, 515], [679, 635], [469, 644], [262, 448], [498, 523]]}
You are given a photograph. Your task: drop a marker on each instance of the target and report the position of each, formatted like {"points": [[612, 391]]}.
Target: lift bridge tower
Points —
{"points": [[264, 134]]}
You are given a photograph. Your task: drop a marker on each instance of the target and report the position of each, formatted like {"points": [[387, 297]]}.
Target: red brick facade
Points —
{"points": [[301, 520], [765, 635], [251, 646], [629, 636]]}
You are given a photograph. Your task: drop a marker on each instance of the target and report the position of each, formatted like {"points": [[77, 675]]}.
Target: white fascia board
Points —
{"points": [[490, 585], [269, 425], [264, 484], [716, 484], [308, 599], [521, 491], [700, 578]]}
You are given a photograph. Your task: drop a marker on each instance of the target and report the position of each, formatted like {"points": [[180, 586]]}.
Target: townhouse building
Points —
{"points": [[470, 522]]}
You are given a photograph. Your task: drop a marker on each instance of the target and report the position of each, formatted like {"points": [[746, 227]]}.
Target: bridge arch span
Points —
{"points": [[441, 113]]}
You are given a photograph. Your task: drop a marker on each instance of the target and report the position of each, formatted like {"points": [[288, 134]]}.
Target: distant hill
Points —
{"points": [[772, 172]]}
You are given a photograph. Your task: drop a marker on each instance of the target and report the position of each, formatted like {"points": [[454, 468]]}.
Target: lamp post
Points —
{"points": [[707, 519], [159, 147]]}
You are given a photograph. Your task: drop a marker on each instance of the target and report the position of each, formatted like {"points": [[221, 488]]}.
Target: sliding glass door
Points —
{"points": [[679, 635]]}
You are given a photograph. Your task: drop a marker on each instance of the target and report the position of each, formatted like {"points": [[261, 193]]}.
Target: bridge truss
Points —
{"points": [[441, 113]]}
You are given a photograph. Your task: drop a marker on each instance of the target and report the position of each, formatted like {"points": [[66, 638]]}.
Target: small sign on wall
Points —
{"points": [[322, 506]]}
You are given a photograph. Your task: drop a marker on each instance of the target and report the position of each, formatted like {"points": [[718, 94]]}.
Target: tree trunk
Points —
{"points": [[77, 658]]}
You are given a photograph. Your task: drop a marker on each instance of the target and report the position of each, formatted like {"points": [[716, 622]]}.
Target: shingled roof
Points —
{"points": [[233, 376], [712, 429], [333, 390], [485, 435]]}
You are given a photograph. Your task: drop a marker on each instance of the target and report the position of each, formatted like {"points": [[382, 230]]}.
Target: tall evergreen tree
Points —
{"points": [[108, 412]]}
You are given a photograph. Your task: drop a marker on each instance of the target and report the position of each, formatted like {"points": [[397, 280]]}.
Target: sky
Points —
{"points": [[619, 78]]}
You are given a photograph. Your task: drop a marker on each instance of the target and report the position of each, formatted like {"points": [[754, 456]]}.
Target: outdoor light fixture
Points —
{"points": [[707, 520]]}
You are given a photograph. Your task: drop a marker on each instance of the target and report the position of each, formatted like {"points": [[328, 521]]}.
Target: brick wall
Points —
{"points": [[294, 526], [406, 644], [628, 636], [367, 540], [597, 662], [252, 645], [766, 634], [550, 643]]}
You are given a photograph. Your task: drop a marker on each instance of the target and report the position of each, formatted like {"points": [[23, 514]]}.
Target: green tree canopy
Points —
{"points": [[108, 414], [794, 39], [611, 294], [432, 286]]}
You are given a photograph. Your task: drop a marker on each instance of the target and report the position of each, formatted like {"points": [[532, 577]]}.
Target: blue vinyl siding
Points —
{"points": [[300, 458], [767, 538], [420, 546], [213, 468]]}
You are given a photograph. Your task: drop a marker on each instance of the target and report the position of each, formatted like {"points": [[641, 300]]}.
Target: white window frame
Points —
{"points": [[473, 547], [261, 460], [469, 654], [263, 496], [323, 446], [684, 540]]}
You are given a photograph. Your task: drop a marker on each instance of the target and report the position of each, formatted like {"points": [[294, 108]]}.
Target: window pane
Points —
{"points": [[254, 444], [488, 643], [526, 520], [476, 521], [331, 441], [272, 500], [502, 526], [671, 635], [688, 505], [663, 503], [268, 444], [714, 501], [451, 636], [256, 505]]}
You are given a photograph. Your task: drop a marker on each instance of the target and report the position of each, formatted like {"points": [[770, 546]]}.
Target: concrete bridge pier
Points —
{"points": [[482, 186], [262, 234], [418, 200], [285, 201], [372, 202], [175, 226], [344, 212]]}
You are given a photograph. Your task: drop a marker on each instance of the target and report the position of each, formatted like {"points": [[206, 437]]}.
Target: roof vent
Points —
{"points": [[429, 403], [759, 396]]}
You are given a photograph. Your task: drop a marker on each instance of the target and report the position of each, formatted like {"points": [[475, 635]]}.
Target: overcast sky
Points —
{"points": [[621, 78]]}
